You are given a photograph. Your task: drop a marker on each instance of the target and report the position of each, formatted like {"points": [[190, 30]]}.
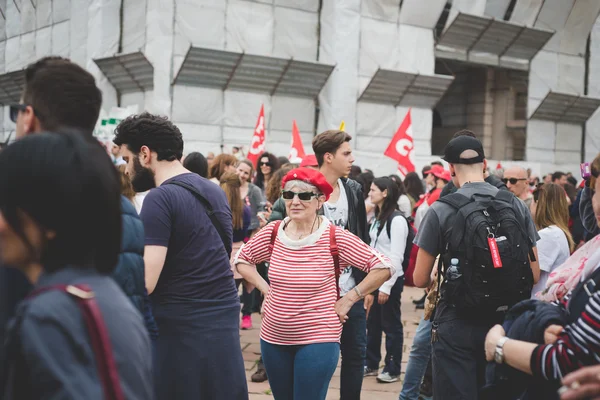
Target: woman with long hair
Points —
{"points": [[550, 213], [414, 188], [250, 193], [252, 197], [303, 313], [267, 164], [241, 214], [385, 315], [221, 164], [76, 335]]}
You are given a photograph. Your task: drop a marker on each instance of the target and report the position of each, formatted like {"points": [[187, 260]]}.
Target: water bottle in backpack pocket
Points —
{"points": [[491, 248]]}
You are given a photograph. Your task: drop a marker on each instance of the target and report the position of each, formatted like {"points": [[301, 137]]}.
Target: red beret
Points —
{"points": [[311, 176], [309, 161]]}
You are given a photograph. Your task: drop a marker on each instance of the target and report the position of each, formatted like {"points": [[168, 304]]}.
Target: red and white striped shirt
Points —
{"points": [[299, 308]]}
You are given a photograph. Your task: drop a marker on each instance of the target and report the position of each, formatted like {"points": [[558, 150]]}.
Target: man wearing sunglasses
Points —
{"points": [[515, 179]]}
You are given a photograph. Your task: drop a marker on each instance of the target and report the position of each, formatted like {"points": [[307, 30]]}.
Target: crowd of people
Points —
{"points": [[135, 267]]}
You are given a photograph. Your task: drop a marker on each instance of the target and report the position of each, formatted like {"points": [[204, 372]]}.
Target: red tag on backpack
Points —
{"points": [[494, 252]]}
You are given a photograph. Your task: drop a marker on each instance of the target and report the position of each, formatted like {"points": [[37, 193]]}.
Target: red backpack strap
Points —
{"points": [[335, 254], [274, 235], [100, 341]]}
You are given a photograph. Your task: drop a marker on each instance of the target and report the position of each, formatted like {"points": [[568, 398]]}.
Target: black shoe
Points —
{"points": [[260, 375], [420, 306], [421, 300]]}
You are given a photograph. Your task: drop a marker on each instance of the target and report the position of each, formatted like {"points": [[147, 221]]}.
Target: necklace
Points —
{"points": [[302, 235]]}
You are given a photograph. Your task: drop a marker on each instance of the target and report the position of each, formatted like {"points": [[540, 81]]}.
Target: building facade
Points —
{"points": [[523, 74]]}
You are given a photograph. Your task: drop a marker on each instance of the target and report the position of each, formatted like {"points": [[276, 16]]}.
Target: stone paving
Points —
{"points": [[371, 389]]}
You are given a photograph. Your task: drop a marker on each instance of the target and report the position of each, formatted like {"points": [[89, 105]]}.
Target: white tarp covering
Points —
{"points": [[339, 44], [578, 26], [413, 13], [79, 24], [295, 34], [473, 7], [134, 30], [592, 132], [526, 12], [249, 27], [553, 15], [159, 51], [496, 8], [43, 13]]}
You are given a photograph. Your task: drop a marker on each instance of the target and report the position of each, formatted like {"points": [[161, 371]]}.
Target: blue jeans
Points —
{"points": [[420, 353], [354, 352], [386, 318], [300, 372]]}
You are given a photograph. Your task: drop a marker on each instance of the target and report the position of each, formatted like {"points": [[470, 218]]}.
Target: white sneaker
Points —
{"points": [[370, 372], [385, 377]]}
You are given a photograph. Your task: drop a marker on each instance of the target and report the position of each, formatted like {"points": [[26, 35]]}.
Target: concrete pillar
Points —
{"points": [[503, 110], [480, 105]]}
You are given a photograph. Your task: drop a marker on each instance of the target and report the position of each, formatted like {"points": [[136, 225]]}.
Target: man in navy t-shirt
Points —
{"points": [[188, 273]]}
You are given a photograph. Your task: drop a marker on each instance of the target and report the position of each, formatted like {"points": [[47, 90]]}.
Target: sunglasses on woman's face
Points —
{"points": [[513, 181], [303, 196], [266, 164]]}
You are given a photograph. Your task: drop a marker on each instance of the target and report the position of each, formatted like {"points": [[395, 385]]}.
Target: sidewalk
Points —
{"points": [[371, 388]]}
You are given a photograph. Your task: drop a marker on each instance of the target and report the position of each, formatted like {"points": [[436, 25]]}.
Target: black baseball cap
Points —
{"points": [[458, 145]]}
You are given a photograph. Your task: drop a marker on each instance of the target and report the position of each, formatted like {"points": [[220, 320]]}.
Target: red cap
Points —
{"points": [[311, 176], [440, 172], [309, 161]]}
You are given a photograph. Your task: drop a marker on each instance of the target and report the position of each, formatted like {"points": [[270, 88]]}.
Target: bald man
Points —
{"points": [[516, 180]]}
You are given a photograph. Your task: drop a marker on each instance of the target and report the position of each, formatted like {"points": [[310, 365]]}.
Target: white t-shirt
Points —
{"points": [[404, 206], [337, 213], [553, 251], [392, 246], [138, 201]]}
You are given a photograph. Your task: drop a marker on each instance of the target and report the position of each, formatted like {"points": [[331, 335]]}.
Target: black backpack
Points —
{"points": [[483, 288], [409, 239]]}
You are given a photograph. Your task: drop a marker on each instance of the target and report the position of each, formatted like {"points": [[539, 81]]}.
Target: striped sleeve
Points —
{"points": [[257, 249], [577, 346], [355, 252]]}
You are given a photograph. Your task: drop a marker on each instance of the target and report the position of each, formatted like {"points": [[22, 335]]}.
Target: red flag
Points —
{"points": [[297, 149], [257, 146], [402, 146]]}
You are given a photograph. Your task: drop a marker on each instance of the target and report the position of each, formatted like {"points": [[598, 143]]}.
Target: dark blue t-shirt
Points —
{"points": [[197, 265]]}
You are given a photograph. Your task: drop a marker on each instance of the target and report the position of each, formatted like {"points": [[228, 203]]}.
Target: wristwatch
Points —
{"points": [[499, 353]]}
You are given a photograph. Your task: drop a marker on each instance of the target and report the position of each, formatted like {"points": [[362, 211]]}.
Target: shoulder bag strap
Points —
{"points": [[99, 339], [335, 254], [274, 235], [210, 212]]}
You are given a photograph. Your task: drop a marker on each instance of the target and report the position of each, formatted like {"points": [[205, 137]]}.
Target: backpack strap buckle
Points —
{"points": [[588, 290]]}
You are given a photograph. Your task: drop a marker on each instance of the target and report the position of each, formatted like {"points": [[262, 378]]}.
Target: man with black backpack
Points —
{"points": [[486, 240]]}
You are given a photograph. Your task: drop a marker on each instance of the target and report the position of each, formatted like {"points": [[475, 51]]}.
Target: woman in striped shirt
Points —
{"points": [[567, 349], [303, 314]]}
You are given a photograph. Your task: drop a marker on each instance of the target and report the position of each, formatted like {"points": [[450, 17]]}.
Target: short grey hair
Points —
{"points": [[302, 185]]}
